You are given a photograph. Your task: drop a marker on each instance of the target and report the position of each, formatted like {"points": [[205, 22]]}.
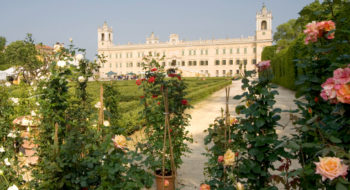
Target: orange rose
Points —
{"points": [[331, 167], [343, 94], [204, 187]]}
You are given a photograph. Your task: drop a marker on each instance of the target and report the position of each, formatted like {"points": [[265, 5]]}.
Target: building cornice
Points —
{"points": [[185, 44]]}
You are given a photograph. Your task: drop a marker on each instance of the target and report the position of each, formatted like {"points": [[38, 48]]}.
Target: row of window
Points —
{"points": [[189, 52], [189, 63], [230, 62], [217, 72], [225, 73]]}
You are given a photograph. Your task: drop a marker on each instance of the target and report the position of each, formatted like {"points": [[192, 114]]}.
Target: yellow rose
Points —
{"points": [[239, 186], [229, 158], [331, 167], [233, 121], [119, 141]]}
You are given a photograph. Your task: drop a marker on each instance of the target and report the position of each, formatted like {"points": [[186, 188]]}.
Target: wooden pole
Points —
{"points": [[55, 139], [228, 124], [173, 168], [101, 114], [167, 130]]}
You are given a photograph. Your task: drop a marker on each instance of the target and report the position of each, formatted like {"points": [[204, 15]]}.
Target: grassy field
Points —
{"points": [[130, 96]]}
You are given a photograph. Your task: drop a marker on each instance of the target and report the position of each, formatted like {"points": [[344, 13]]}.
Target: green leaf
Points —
{"points": [[260, 122], [334, 139], [340, 186]]}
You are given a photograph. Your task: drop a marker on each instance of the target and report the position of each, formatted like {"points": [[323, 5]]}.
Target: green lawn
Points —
{"points": [[130, 96]]}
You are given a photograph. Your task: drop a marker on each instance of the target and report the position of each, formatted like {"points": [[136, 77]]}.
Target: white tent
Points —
{"points": [[8, 72]]}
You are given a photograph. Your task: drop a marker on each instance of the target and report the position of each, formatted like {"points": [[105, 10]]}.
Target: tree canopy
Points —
{"points": [[286, 33], [23, 53]]}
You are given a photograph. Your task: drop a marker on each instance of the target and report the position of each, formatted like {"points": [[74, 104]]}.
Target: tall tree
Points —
{"points": [[286, 33], [2, 57], [24, 55], [2, 43]]}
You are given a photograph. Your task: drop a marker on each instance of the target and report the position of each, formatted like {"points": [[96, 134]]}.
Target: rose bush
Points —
{"points": [[323, 76], [73, 153], [153, 85]]}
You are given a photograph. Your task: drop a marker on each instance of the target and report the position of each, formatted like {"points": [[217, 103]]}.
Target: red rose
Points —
{"points": [[142, 97], [229, 141], [236, 154], [151, 79], [184, 102], [310, 111], [154, 96], [143, 79], [138, 82], [179, 77], [158, 103], [316, 99], [154, 69], [220, 159], [171, 75], [171, 130]]}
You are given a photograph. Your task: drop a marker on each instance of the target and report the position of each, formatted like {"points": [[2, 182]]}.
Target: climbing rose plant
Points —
{"points": [[154, 84]]}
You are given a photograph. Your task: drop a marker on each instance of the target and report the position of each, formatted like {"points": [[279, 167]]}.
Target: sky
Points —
{"points": [[51, 21]]}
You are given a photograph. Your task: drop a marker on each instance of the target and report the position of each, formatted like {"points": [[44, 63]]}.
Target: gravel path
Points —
{"points": [[190, 175]]}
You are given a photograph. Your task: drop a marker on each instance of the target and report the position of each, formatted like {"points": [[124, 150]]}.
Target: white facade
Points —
{"points": [[221, 57]]}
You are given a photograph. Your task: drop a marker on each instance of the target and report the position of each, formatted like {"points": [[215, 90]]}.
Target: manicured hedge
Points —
{"points": [[284, 62]]}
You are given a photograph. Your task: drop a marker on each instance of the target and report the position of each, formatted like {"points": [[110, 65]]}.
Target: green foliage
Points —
{"points": [[323, 127], [286, 33], [3, 65], [2, 43], [129, 97], [268, 53], [23, 54], [219, 177], [73, 154], [111, 98], [154, 86], [253, 138], [9, 144], [289, 44]]}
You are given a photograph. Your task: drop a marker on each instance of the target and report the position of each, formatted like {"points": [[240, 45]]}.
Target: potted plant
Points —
{"points": [[164, 105]]}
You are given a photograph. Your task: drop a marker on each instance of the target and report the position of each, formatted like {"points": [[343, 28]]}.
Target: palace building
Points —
{"points": [[219, 57]]}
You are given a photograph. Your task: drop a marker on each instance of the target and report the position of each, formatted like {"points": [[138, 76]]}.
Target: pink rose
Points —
{"points": [[166, 183], [264, 65], [331, 168], [220, 159], [341, 76], [321, 29], [328, 92]]}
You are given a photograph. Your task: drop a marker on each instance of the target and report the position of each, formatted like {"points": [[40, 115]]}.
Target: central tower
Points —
{"points": [[104, 36], [263, 24]]}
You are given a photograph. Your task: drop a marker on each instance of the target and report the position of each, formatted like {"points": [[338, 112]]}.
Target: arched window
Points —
{"points": [[109, 37], [102, 37], [263, 25]]}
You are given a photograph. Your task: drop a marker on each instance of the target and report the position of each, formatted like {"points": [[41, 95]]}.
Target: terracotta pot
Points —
{"points": [[167, 178]]}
